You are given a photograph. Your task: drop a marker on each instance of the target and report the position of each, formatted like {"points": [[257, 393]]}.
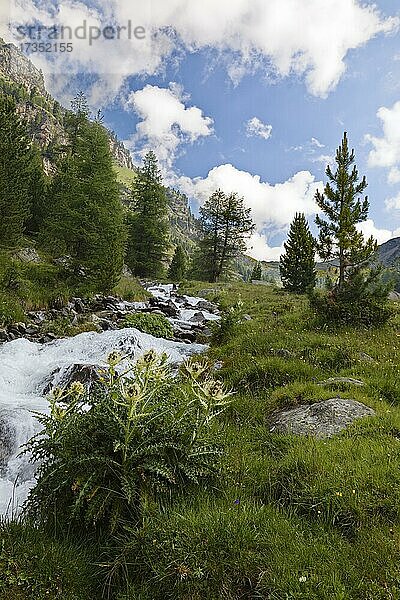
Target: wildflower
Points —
{"points": [[215, 389], [303, 579], [56, 393], [77, 388], [196, 369], [237, 501], [132, 390], [114, 358], [149, 356]]}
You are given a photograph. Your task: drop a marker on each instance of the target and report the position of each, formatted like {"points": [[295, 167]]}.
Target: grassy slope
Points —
{"points": [[291, 518], [297, 518], [29, 286]]}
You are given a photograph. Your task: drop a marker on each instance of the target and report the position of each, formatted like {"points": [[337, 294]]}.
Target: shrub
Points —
{"points": [[139, 437], [362, 300], [151, 323]]}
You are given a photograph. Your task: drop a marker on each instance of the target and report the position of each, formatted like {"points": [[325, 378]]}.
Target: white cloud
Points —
{"points": [[255, 127], [324, 159], [393, 203], [166, 122], [254, 35], [273, 206], [317, 143], [386, 149], [259, 248], [381, 235]]}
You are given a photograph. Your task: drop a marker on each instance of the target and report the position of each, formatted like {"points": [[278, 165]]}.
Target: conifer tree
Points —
{"points": [[256, 273], [297, 264], [147, 224], [359, 295], [16, 173], [177, 268], [340, 202], [226, 224], [39, 199], [86, 219]]}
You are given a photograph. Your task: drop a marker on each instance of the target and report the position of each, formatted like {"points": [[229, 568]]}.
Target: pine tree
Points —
{"points": [[339, 237], [16, 173], [359, 295], [256, 273], [297, 264], [86, 219], [147, 224], [226, 224], [177, 268]]}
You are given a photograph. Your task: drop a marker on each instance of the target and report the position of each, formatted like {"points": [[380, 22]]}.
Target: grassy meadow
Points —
{"points": [[288, 518]]}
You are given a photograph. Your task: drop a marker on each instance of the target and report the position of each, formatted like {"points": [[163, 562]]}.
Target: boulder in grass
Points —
{"points": [[321, 420]]}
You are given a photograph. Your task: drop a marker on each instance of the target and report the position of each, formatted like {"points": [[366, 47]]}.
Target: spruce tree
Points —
{"points": [[297, 264], [226, 224], [340, 202], [16, 173], [147, 223], [256, 273], [86, 219], [177, 268]]}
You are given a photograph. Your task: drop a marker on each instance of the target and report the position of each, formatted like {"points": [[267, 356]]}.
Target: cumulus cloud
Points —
{"points": [[273, 206], [393, 203], [255, 127], [259, 248], [369, 228], [386, 149], [165, 122], [253, 35]]}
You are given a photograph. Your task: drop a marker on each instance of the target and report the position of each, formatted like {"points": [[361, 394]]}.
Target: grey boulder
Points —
{"points": [[322, 419]]}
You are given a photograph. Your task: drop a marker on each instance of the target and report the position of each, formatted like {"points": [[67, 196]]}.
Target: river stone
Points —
{"points": [[322, 419], [7, 441]]}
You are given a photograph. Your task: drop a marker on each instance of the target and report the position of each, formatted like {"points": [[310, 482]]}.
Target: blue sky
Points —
{"points": [[253, 96]]}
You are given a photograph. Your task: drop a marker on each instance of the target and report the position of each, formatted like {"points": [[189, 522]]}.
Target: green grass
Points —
{"points": [[130, 289], [290, 518], [124, 175], [153, 324], [34, 566]]}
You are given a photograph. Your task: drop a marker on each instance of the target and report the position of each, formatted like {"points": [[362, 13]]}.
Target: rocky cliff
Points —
{"points": [[44, 115]]}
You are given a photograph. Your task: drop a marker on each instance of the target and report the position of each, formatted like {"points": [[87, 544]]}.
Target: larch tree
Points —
{"points": [[20, 173], [86, 217], [147, 222], [226, 225]]}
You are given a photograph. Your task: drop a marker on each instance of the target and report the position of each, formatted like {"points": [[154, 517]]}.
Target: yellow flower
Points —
{"points": [[77, 388], [114, 358]]}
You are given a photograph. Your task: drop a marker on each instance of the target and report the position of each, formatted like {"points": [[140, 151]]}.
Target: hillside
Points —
{"points": [[44, 116], [389, 252]]}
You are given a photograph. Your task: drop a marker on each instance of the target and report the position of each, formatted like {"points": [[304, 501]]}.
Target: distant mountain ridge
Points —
{"points": [[389, 252]]}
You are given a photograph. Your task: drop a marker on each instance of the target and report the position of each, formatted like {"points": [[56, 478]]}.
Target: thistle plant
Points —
{"points": [[143, 434]]}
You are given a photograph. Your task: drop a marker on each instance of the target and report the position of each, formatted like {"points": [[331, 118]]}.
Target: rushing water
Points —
{"points": [[26, 371]]}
